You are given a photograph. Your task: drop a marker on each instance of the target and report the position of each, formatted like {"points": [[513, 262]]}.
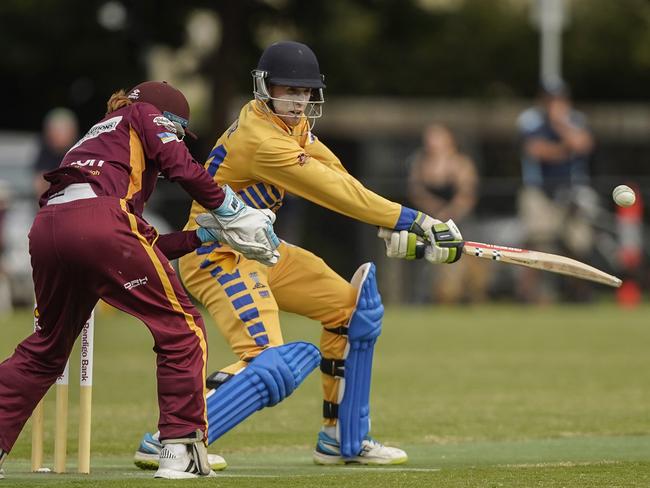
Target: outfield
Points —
{"points": [[484, 396]]}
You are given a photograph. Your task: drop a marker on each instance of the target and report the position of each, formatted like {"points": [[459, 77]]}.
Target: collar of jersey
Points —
{"points": [[260, 110]]}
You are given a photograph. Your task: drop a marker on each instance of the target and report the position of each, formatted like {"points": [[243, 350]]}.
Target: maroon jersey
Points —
{"points": [[122, 155]]}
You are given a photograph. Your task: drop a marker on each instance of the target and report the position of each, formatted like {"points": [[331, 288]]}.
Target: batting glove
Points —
{"points": [[436, 241], [402, 244]]}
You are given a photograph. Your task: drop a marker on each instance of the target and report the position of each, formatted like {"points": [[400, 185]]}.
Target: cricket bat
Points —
{"points": [[540, 260], [533, 259]]}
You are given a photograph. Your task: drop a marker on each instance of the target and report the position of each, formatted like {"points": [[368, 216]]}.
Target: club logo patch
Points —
{"points": [[256, 279], [165, 122], [303, 158], [37, 314]]}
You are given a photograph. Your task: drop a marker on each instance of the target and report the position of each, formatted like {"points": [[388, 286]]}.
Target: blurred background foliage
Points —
{"points": [[75, 53], [391, 66]]}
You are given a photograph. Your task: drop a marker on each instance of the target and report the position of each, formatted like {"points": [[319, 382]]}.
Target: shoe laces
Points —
{"points": [[371, 443]]}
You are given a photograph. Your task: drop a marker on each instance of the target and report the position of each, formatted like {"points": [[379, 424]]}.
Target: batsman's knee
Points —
{"points": [[274, 375], [266, 381], [365, 323]]}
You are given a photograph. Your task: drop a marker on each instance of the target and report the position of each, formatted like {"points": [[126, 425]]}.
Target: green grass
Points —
{"points": [[494, 396]]}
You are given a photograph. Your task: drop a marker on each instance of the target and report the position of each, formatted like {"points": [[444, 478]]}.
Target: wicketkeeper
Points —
{"points": [[89, 241], [269, 151]]}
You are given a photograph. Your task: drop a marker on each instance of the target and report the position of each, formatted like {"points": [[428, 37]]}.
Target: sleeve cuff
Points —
{"points": [[406, 218]]}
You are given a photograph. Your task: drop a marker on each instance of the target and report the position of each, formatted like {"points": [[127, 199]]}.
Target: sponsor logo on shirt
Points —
{"points": [[165, 122], [232, 128], [166, 137], [98, 129], [89, 162], [137, 282]]}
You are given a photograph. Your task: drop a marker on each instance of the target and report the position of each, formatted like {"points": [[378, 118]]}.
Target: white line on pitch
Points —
{"points": [[346, 468], [379, 469]]}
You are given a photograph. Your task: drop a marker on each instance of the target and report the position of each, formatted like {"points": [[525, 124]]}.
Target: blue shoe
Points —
{"points": [[328, 452], [148, 455]]}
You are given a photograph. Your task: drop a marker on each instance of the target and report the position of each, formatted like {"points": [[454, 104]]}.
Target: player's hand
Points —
{"points": [[445, 238], [445, 243], [402, 244], [408, 245], [245, 229]]}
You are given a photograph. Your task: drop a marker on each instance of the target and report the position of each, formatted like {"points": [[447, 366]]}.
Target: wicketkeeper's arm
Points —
{"points": [[177, 244]]}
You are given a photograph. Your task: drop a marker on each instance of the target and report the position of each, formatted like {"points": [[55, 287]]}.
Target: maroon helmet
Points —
{"points": [[169, 100]]}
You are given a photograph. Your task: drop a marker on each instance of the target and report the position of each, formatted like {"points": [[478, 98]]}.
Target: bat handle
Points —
{"points": [[384, 233]]}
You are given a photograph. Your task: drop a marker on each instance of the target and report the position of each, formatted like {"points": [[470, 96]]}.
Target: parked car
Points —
{"points": [[17, 152]]}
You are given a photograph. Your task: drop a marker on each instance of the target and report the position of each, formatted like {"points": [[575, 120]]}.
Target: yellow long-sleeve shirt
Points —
{"points": [[261, 159]]}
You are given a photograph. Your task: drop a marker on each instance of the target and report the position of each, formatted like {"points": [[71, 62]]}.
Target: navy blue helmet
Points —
{"points": [[289, 63]]}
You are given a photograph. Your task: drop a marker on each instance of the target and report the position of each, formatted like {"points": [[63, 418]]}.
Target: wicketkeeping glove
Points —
{"points": [[245, 229]]}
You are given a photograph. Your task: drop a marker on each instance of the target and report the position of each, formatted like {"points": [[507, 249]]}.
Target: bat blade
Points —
{"points": [[540, 260]]}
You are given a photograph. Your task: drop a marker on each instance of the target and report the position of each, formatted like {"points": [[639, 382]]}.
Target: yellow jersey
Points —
{"points": [[261, 159]]}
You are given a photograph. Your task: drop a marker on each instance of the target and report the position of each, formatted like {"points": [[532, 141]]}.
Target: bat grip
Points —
{"points": [[384, 233]]}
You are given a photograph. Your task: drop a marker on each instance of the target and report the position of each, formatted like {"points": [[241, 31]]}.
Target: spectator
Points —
{"points": [[555, 149], [60, 132], [443, 182]]}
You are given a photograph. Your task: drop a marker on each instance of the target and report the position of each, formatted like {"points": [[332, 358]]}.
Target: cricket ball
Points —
{"points": [[624, 196]]}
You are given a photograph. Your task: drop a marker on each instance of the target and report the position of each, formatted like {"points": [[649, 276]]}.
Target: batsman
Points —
{"points": [[268, 151]]}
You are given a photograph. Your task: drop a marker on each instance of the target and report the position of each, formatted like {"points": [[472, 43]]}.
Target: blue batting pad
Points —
{"points": [[266, 381], [364, 328]]}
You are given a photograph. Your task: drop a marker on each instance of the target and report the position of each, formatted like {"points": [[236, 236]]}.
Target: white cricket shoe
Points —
{"points": [[148, 454], [372, 452], [182, 461]]}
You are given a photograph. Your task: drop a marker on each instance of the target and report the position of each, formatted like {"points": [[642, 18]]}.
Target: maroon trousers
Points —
{"points": [[90, 249]]}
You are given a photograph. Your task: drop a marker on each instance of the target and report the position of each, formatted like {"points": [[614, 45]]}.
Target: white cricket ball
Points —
{"points": [[624, 196]]}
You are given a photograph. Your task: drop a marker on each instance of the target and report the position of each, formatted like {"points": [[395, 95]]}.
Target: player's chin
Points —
{"points": [[292, 119]]}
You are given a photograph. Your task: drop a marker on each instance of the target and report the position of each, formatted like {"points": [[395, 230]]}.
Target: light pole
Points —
{"points": [[551, 17]]}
